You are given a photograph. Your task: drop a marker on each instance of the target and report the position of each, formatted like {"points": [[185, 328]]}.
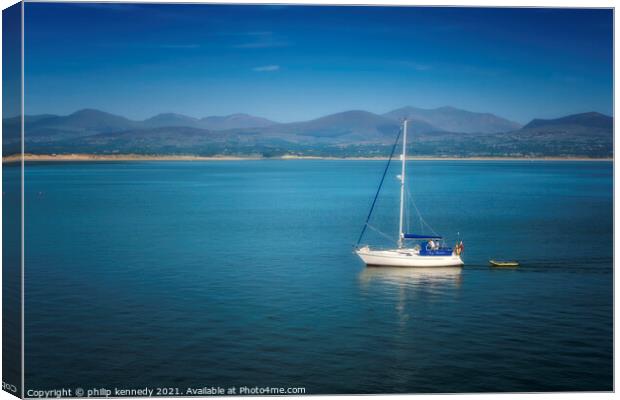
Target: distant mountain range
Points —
{"points": [[214, 123], [444, 131], [89, 122], [454, 120]]}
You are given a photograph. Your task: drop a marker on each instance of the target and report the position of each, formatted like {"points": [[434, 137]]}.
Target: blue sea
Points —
{"points": [[241, 273]]}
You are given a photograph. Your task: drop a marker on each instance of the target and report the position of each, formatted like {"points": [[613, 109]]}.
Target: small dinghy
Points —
{"points": [[497, 263]]}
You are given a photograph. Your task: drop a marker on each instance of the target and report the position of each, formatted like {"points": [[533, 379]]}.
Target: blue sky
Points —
{"points": [[300, 62]]}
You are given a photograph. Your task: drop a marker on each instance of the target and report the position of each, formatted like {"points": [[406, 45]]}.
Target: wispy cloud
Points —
{"points": [[261, 40], [179, 46], [261, 45], [173, 46], [259, 33], [418, 66], [237, 33], [412, 65], [266, 68]]}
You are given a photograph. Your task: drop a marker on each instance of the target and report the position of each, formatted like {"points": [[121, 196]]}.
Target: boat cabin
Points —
{"points": [[430, 245]]}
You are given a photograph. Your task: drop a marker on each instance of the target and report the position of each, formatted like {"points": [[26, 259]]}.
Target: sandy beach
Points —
{"points": [[141, 157], [118, 157]]}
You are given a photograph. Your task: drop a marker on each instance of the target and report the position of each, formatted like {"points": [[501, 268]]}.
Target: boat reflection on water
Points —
{"points": [[411, 289], [413, 277]]}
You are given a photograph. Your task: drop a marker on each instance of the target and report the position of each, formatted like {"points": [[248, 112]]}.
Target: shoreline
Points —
{"points": [[15, 158]]}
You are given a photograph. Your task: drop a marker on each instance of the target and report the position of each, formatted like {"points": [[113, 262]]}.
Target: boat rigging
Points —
{"points": [[426, 250]]}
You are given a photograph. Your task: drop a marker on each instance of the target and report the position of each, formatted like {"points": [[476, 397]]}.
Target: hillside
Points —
{"points": [[91, 122], [349, 133], [579, 134], [454, 120], [233, 121], [346, 127], [592, 122]]}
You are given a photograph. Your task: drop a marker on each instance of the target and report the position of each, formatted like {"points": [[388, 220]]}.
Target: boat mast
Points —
{"points": [[403, 157]]}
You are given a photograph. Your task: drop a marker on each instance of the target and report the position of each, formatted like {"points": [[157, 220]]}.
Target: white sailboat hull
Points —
{"points": [[406, 258]]}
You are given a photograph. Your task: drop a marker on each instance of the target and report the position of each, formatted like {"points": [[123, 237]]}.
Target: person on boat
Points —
{"points": [[432, 245]]}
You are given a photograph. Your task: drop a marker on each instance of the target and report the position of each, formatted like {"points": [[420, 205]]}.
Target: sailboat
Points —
{"points": [[413, 250]]}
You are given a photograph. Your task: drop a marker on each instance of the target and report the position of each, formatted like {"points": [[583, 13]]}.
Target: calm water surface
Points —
{"points": [[190, 274]]}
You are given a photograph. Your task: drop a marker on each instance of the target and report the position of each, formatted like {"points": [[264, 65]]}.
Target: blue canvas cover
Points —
{"points": [[421, 237]]}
